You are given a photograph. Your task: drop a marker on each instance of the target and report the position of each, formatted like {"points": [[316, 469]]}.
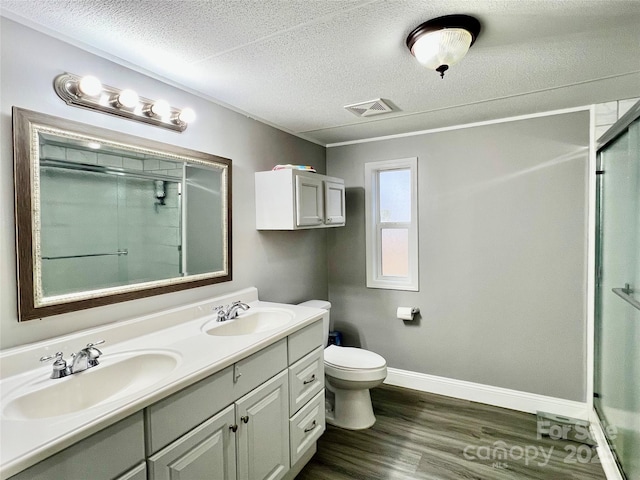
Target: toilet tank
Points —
{"points": [[326, 320]]}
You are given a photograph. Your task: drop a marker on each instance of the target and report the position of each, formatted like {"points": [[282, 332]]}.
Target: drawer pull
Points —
{"points": [[311, 380], [310, 427], [245, 419]]}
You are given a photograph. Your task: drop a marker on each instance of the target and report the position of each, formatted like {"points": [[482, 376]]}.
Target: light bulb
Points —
{"points": [[94, 145], [128, 98], [160, 108], [187, 115], [90, 86]]}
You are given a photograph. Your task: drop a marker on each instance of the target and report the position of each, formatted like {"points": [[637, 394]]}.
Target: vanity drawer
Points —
{"points": [[259, 367], [306, 379], [306, 426], [305, 340], [174, 416]]}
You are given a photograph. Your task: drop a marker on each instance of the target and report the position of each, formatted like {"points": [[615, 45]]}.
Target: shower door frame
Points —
{"points": [[611, 135]]}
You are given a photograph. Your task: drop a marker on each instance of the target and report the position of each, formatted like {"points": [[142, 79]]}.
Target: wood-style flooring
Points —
{"points": [[424, 436]]}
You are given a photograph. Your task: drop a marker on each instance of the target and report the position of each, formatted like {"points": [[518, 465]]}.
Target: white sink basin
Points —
{"points": [[117, 376], [256, 320]]}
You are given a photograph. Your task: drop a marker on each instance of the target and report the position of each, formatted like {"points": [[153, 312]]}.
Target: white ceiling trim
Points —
{"points": [[479, 102], [463, 126]]}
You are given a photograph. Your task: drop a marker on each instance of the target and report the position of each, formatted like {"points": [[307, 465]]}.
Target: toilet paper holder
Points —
{"points": [[407, 313]]}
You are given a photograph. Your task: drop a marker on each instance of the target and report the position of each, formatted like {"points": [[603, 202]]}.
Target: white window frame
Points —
{"points": [[374, 226]]}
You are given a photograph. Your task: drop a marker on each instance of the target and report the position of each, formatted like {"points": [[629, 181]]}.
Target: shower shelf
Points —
{"points": [[625, 294]]}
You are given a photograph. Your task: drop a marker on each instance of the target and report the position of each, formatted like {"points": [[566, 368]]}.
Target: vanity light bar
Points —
{"points": [[89, 92]]}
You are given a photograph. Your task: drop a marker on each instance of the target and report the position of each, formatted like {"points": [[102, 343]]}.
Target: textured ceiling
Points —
{"points": [[296, 63]]}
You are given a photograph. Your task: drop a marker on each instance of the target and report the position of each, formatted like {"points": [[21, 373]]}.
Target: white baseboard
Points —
{"points": [[477, 392], [605, 455]]}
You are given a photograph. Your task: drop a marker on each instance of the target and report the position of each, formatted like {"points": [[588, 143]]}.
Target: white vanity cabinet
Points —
{"points": [[258, 419], [295, 199], [243, 441], [115, 453]]}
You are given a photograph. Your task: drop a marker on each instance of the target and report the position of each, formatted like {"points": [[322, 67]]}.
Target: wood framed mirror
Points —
{"points": [[105, 217]]}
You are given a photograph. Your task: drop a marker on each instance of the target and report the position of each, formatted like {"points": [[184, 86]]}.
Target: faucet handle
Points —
{"points": [[222, 311], [93, 353], [58, 356], [59, 365]]}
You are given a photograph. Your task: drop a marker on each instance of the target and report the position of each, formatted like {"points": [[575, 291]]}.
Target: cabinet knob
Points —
{"points": [[245, 419], [233, 428]]}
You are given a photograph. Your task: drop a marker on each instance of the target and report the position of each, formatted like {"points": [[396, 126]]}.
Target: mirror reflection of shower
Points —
{"points": [[160, 193]]}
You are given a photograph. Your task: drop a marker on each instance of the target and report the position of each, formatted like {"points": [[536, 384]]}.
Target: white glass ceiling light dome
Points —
{"points": [[443, 41]]}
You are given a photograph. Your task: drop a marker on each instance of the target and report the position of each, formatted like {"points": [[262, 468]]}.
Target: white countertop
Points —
{"points": [[178, 333]]}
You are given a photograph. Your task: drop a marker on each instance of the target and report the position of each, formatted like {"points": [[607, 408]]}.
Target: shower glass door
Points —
{"points": [[617, 335]]}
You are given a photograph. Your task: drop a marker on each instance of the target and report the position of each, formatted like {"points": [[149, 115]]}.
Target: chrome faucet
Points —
{"points": [[229, 312], [81, 361]]}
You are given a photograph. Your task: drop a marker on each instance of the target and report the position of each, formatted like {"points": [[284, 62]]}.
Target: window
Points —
{"points": [[391, 198]]}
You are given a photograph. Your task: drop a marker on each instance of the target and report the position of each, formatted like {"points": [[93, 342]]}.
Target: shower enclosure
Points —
{"points": [[111, 217], [617, 322], [103, 227]]}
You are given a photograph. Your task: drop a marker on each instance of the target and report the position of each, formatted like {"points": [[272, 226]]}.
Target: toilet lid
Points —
{"points": [[350, 357]]}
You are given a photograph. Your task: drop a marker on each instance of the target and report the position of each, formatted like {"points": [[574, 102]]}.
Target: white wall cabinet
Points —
{"points": [[295, 199]]}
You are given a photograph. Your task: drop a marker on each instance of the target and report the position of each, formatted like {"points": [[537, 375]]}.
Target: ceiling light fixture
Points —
{"points": [[443, 41], [89, 92]]}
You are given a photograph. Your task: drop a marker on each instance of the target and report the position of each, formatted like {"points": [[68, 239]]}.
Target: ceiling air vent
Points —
{"points": [[369, 109]]}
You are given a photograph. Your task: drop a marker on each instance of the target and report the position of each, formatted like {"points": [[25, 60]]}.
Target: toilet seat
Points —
{"points": [[352, 358], [355, 364]]}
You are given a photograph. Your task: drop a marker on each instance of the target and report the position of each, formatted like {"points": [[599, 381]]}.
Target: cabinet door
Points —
{"points": [[309, 201], [208, 451], [334, 203], [263, 431]]}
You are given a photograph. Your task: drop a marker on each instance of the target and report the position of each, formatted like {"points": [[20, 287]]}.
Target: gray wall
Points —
{"points": [[285, 266], [502, 247]]}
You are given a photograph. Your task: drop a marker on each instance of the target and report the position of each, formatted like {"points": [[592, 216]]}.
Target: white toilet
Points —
{"points": [[349, 374]]}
